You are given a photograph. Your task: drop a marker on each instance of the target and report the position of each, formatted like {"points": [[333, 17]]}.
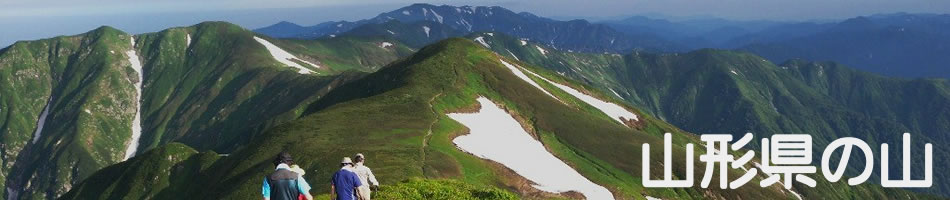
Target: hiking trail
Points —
{"points": [[425, 139]]}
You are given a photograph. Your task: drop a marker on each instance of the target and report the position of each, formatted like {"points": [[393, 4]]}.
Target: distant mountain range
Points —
{"points": [[904, 45], [576, 35]]}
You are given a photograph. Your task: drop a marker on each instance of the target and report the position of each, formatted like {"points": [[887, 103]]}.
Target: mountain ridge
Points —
{"points": [[561, 34]]}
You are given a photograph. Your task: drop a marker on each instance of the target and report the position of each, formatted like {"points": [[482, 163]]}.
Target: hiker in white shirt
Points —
{"points": [[366, 176]]}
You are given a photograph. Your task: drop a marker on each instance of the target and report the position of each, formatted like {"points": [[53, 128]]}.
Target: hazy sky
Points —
{"points": [[36, 19]]}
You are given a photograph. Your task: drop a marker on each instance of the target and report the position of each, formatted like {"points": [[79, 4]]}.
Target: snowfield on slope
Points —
{"points": [[42, 120], [543, 52], [481, 40], [525, 78], [285, 57], [497, 136], [615, 92], [615, 111], [137, 121]]}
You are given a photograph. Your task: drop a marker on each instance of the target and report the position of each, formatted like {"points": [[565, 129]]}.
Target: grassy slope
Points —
{"points": [[759, 97], [170, 167], [221, 90]]}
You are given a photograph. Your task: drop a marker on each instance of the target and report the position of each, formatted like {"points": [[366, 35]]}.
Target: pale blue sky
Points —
{"points": [[36, 19]]}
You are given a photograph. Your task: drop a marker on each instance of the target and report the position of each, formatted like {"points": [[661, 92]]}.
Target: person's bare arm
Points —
{"points": [[332, 190]]}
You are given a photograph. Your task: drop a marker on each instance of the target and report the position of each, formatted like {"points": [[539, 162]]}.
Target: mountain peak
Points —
{"points": [[428, 9], [286, 23], [455, 43], [221, 24], [857, 22], [105, 30], [420, 5]]}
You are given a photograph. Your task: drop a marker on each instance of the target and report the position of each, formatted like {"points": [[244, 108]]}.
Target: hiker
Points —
{"points": [[345, 182], [366, 177], [284, 184]]}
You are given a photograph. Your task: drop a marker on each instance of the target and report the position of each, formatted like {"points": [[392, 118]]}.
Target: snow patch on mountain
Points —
{"points": [[437, 16], [524, 77], [285, 57], [426, 29], [543, 52], [481, 40], [615, 111], [471, 10], [513, 55], [137, 121], [524, 42], [188, 39], [42, 120], [385, 44], [491, 34], [12, 193], [465, 22], [615, 92], [497, 136], [405, 12]]}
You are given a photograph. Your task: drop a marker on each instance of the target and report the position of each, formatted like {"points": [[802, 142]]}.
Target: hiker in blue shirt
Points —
{"points": [[345, 182], [284, 184]]}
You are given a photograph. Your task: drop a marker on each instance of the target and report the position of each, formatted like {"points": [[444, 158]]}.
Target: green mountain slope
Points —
{"points": [[171, 165], [397, 117], [72, 74], [714, 91], [211, 86]]}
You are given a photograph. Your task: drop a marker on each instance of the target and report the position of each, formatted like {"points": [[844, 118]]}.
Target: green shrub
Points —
{"points": [[435, 189]]}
